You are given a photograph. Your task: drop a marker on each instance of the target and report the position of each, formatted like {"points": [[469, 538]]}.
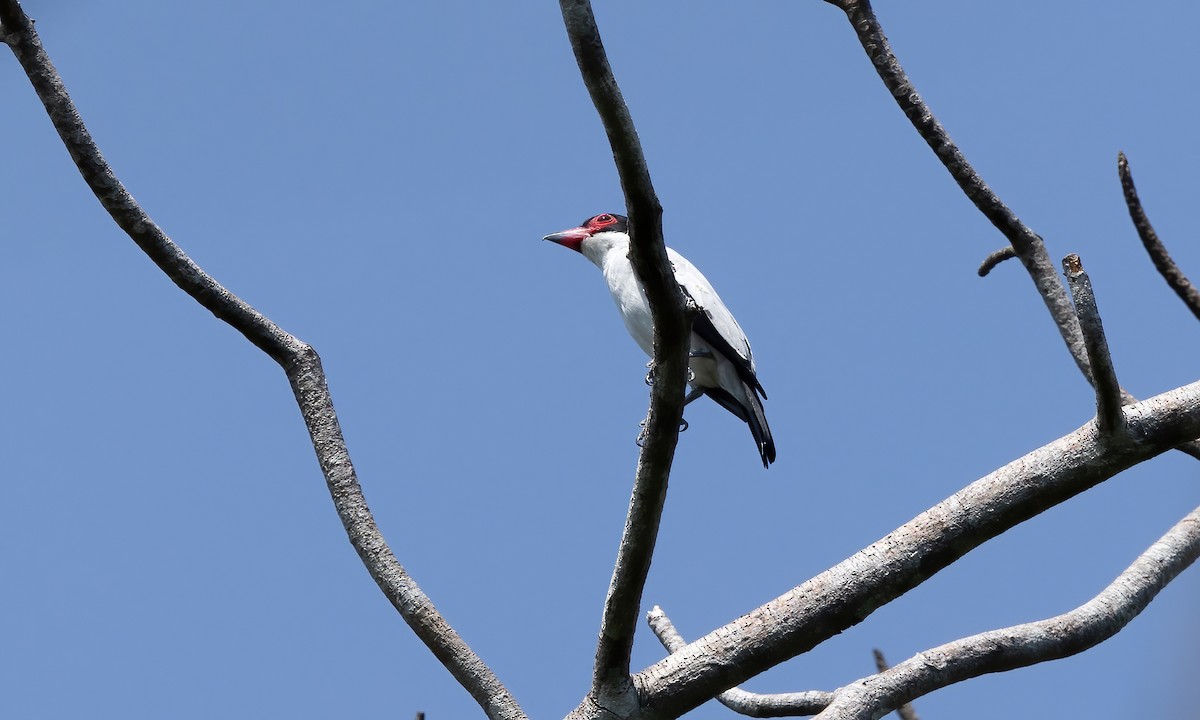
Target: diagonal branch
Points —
{"points": [[611, 684], [736, 699], [1158, 252], [1109, 417], [298, 359], [846, 594], [1022, 645], [1027, 244]]}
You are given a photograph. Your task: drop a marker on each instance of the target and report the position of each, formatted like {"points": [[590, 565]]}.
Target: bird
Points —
{"points": [[720, 361]]}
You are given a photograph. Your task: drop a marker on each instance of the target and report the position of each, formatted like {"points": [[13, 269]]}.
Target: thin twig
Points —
{"points": [[611, 683], [1166, 267], [1027, 244], [844, 595], [736, 699], [1028, 644], [299, 361], [991, 261], [1109, 417], [905, 711]]}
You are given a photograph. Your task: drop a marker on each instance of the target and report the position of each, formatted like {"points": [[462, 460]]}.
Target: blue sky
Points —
{"points": [[377, 178]]}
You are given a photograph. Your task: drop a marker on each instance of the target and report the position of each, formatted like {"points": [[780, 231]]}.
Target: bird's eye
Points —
{"points": [[605, 219]]}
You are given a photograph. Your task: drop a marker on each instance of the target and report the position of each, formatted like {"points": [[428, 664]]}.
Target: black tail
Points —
{"points": [[760, 429], [752, 416]]}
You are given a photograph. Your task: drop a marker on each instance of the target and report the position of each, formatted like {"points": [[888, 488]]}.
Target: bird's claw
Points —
{"points": [[690, 375], [643, 434]]}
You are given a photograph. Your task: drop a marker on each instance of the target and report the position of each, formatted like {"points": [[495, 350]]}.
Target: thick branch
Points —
{"points": [[1022, 645], [847, 593], [611, 685], [299, 361], [1158, 252], [736, 699], [1108, 391]]}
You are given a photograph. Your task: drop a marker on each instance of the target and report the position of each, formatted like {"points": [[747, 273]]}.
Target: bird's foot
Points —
{"points": [[642, 434], [650, 373]]}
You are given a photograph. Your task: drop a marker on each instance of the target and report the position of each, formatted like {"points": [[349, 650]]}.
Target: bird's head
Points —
{"points": [[593, 232]]}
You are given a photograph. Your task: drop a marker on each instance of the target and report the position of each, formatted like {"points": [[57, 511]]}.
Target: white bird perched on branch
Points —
{"points": [[721, 364]]}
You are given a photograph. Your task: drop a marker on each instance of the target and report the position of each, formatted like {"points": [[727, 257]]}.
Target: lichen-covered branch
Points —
{"points": [[299, 361]]}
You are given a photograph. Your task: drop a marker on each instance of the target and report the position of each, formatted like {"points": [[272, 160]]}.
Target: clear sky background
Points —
{"points": [[376, 177]]}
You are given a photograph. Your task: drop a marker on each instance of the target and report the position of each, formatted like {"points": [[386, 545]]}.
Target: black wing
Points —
{"points": [[703, 326]]}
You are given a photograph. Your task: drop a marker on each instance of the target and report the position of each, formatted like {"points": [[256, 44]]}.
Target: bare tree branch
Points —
{"points": [[1109, 416], [905, 711], [1031, 643], [299, 361], [1158, 252], [991, 261], [1027, 244], [611, 684], [741, 701], [844, 595]]}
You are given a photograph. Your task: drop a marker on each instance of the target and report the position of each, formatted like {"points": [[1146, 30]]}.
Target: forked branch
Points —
{"points": [[844, 595], [611, 684], [298, 360], [995, 651], [744, 702], [1022, 645], [1026, 244]]}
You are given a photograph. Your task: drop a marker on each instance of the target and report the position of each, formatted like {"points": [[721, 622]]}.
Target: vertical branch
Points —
{"points": [[1109, 417], [611, 682]]}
